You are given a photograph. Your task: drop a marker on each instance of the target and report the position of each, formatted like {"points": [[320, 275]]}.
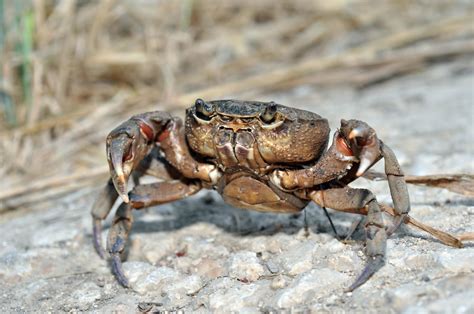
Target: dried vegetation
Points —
{"points": [[72, 69]]}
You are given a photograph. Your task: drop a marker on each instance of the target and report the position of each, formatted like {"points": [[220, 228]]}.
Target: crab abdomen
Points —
{"points": [[250, 193]]}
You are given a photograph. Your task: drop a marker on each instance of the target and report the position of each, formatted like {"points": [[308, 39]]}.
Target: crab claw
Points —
{"points": [[363, 141], [127, 145], [368, 156], [119, 154]]}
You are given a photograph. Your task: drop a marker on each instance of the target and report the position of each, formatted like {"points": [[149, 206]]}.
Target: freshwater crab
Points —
{"points": [[257, 155]]}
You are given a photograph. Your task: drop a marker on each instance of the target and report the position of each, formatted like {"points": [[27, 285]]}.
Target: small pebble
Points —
{"points": [[278, 282], [245, 266]]}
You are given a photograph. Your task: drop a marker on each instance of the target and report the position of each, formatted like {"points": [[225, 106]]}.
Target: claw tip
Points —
{"points": [[365, 164], [125, 198]]}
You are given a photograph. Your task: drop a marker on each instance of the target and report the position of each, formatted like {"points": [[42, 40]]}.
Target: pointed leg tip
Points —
{"points": [[350, 289], [396, 224], [370, 269], [100, 251], [118, 270], [96, 234], [354, 286], [124, 282]]}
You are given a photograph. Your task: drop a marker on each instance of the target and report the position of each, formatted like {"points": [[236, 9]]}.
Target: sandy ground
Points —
{"points": [[200, 255]]}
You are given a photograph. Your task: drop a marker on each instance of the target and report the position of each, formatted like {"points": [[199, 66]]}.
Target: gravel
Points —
{"points": [[201, 255]]}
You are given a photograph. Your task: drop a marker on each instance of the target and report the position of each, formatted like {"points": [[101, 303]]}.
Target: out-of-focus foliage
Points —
{"points": [[71, 69]]}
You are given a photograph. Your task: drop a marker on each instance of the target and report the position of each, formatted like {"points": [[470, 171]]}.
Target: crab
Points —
{"points": [[257, 155]]}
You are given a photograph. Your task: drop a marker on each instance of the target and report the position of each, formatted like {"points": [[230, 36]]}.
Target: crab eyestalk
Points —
{"points": [[204, 109], [269, 114]]}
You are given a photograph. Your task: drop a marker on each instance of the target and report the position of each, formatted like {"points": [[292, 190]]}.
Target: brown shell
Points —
{"points": [[302, 137]]}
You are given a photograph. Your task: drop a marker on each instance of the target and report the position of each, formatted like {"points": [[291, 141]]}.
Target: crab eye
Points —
{"points": [[203, 110], [269, 114]]}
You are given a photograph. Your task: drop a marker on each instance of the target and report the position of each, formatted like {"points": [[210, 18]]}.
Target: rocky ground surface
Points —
{"points": [[200, 255]]}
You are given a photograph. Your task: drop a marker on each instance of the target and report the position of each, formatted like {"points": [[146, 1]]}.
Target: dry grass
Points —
{"points": [[72, 69]]}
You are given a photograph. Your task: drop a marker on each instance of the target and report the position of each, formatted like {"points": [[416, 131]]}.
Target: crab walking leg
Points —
{"points": [[398, 187], [141, 196], [354, 201], [100, 211], [150, 165], [117, 239], [162, 192]]}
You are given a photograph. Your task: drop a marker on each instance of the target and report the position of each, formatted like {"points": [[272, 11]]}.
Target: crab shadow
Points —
{"points": [[208, 207]]}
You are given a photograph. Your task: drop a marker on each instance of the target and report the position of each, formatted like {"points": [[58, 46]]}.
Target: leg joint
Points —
{"points": [[118, 246], [368, 196], [375, 224]]}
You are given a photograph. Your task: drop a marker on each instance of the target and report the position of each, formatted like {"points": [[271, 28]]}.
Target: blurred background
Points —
{"points": [[71, 70]]}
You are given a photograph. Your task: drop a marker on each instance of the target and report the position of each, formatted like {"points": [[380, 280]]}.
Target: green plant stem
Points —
{"points": [[5, 99], [26, 49]]}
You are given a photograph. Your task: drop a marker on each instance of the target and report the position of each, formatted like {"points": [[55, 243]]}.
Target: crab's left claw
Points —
{"points": [[363, 142]]}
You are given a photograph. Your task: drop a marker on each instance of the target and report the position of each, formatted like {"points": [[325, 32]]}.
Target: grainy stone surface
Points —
{"points": [[245, 266], [201, 255]]}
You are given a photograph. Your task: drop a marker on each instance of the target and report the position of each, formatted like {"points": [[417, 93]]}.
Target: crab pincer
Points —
{"points": [[363, 142], [127, 145]]}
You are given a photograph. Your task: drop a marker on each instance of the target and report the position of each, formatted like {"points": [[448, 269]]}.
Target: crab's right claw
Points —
{"points": [[118, 155], [126, 146]]}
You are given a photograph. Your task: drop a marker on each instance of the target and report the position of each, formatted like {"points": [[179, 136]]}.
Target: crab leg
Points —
{"points": [[117, 239], [141, 196], [398, 187], [354, 150], [100, 211], [152, 165], [128, 150], [355, 201]]}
